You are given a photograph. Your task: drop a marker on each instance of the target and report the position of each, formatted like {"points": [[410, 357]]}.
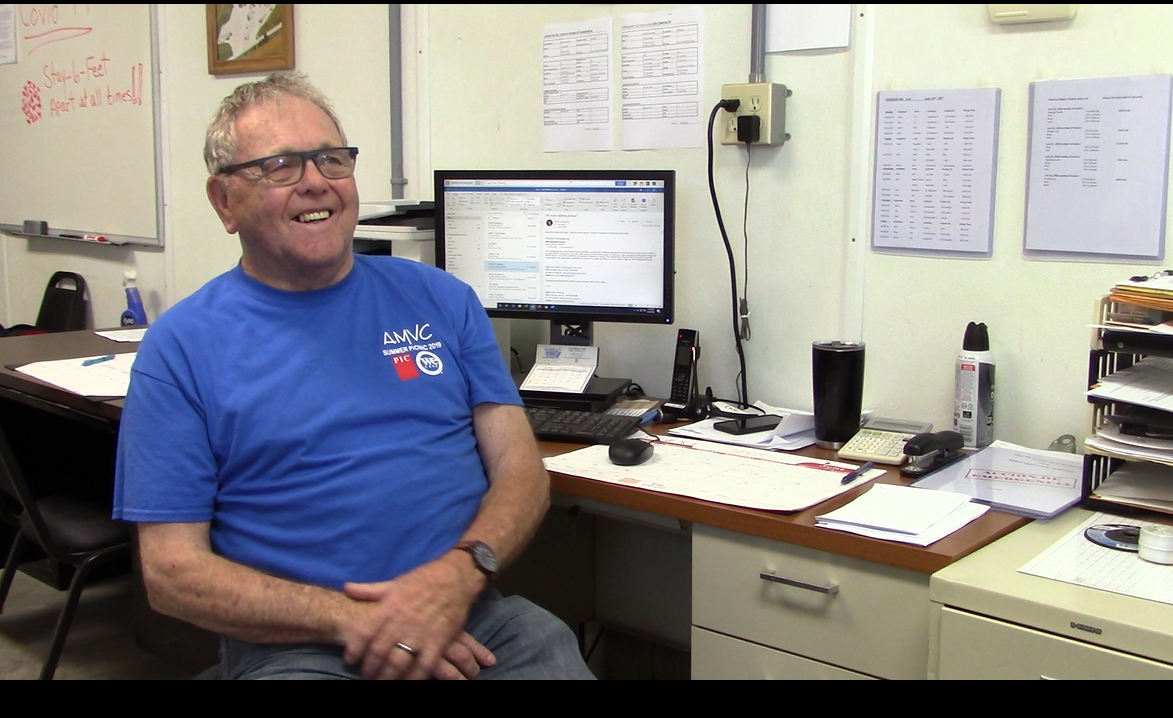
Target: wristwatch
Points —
{"points": [[483, 557]]}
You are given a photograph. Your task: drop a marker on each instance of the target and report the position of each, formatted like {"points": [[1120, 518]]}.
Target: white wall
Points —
{"points": [[808, 279]]}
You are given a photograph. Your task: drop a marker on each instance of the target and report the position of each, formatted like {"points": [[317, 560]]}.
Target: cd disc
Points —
{"points": [[1120, 537]]}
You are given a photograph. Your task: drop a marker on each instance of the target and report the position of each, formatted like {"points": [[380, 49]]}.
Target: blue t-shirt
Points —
{"points": [[327, 436]]}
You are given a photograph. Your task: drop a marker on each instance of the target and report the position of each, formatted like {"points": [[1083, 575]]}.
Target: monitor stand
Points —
{"points": [[599, 395]]}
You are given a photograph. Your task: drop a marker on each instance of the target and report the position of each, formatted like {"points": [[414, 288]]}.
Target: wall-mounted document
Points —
{"points": [[577, 86], [936, 153], [662, 63], [1098, 166]]}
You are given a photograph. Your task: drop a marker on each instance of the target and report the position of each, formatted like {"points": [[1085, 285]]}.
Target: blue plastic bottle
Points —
{"points": [[135, 315]]}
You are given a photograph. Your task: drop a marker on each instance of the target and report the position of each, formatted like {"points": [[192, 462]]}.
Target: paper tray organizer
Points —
{"points": [[1119, 351]]}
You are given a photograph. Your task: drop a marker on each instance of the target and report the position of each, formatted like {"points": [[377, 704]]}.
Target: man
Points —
{"points": [[323, 452]]}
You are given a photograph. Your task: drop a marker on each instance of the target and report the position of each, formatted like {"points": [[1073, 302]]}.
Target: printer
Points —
{"points": [[399, 227]]}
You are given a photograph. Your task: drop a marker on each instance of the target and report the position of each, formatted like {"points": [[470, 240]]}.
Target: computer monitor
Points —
{"points": [[568, 246]]}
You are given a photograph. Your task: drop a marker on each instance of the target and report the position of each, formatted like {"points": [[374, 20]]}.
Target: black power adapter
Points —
{"points": [[749, 128]]}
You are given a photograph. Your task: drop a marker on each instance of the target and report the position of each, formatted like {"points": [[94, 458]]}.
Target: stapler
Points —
{"points": [[931, 451]]}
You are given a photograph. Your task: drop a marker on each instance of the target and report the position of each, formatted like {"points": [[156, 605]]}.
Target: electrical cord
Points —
{"points": [[745, 331], [743, 389]]}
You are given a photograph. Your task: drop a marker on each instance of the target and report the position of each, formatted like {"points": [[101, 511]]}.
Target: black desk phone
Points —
{"points": [[688, 350]]}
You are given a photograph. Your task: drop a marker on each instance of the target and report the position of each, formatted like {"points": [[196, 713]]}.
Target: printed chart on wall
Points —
{"points": [[936, 153], [1098, 166], [577, 86], [77, 122]]}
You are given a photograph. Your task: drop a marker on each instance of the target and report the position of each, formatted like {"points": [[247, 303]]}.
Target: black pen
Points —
{"points": [[857, 473]]}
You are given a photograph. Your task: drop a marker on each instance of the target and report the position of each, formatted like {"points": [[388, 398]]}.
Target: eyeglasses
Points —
{"points": [[288, 168]]}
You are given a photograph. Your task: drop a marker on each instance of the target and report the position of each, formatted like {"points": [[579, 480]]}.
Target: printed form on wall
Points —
{"points": [[936, 157], [578, 88], [662, 75], [1098, 159]]}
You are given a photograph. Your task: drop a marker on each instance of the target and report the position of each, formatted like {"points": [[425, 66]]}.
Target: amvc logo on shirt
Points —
{"points": [[411, 352]]}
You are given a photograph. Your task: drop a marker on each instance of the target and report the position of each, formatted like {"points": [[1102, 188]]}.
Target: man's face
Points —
{"points": [[298, 237]]}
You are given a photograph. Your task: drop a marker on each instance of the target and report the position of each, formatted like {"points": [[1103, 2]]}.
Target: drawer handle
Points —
{"points": [[830, 589]]}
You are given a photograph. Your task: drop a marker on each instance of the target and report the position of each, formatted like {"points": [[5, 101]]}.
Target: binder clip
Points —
{"points": [[931, 451]]}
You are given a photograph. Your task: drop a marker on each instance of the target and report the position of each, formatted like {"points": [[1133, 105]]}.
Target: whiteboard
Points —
{"points": [[78, 117]]}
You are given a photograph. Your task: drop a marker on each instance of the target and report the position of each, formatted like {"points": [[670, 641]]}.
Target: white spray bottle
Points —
{"points": [[973, 395]]}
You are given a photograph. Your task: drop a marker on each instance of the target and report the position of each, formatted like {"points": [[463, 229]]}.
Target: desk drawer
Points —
{"points": [[719, 658], [875, 620], [976, 647]]}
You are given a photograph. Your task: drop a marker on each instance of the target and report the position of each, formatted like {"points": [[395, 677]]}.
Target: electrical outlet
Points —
{"points": [[767, 100]]}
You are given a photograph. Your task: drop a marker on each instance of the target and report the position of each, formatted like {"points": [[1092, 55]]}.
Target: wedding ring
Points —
{"points": [[407, 649]]}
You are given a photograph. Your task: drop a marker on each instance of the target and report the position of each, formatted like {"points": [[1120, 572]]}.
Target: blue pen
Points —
{"points": [[97, 360], [857, 473]]}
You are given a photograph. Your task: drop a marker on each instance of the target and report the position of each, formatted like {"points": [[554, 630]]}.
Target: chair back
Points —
{"points": [[63, 308], [14, 486]]}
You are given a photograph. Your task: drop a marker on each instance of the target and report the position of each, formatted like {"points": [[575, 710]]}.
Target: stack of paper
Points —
{"points": [[795, 431], [1146, 486], [1015, 479], [905, 514]]}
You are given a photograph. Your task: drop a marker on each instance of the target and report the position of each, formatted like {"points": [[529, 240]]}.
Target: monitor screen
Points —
{"points": [[570, 246]]}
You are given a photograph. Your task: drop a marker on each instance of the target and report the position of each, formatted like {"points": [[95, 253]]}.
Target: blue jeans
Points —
{"points": [[529, 643]]}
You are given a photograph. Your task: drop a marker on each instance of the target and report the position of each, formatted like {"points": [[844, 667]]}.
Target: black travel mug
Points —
{"points": [[837, 368]]}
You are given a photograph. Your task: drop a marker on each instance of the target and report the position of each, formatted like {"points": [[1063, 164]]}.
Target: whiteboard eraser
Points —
{"points": [[1013, 14]]}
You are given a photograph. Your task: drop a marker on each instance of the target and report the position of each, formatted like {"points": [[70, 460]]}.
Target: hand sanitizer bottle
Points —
{"points": [[973, 394], [134, 315]]}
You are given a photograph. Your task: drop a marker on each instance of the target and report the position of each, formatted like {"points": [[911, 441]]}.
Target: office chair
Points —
{"points": [[70, 530], [63, 308]]}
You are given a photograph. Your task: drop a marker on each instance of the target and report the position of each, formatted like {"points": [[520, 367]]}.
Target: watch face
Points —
{"points": [[484, 557]]}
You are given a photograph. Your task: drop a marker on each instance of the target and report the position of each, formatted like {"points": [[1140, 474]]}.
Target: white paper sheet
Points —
{"points": [[1149, 383], [108, 378], [1074, 559], [808, 26], [578, 89], [719, 473], [904, 514], [125, 335], [936, 156], [795, 431], [1097, 169], [663, 60]]}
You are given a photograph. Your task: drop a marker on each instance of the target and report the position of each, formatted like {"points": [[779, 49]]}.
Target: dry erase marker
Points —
{"points": [[857, 473], [86, 237], [97, 360]]}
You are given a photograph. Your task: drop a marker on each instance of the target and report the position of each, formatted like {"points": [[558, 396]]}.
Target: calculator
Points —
{"points": [[882, 440]]}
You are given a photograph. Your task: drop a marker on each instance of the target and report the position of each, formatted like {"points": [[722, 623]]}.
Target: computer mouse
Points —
{"points": [[629, 452]]}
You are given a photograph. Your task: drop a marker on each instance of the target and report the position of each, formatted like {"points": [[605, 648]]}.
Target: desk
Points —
{"points": [[876, 625]]}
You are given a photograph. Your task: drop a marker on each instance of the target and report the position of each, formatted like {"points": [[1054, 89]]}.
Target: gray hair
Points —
{"points": [[220, 144]]}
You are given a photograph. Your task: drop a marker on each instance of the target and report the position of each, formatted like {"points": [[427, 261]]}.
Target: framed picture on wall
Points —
{"points": [[249, 38]]}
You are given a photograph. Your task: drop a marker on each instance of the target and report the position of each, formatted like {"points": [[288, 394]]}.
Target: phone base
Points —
{"points": [[600, 394]]}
